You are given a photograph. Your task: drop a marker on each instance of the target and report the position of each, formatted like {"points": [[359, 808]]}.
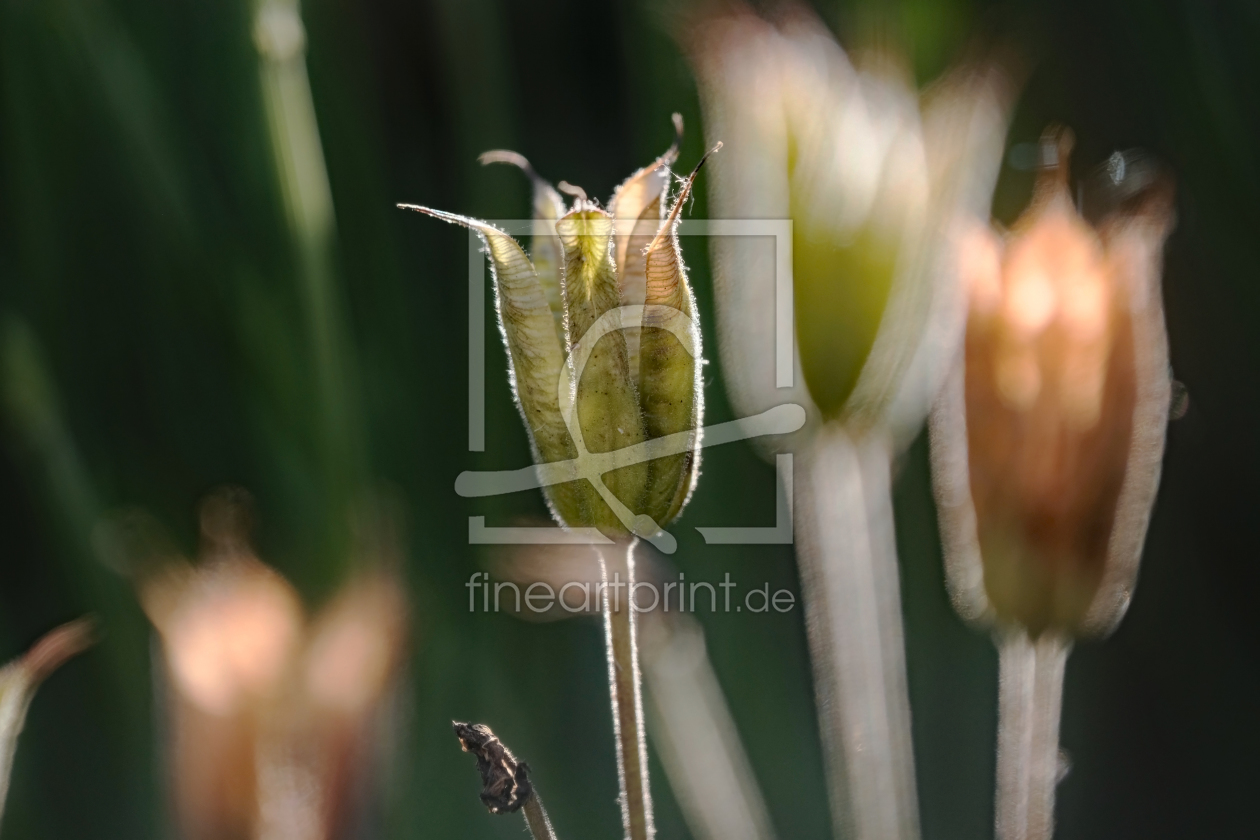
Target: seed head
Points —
{"points": [[1062, 407], [603, 347]]}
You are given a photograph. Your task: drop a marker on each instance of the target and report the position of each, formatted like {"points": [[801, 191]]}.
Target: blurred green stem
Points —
{"points": [[34, 408], [624, 682], [1030, 699], [852, 594]]}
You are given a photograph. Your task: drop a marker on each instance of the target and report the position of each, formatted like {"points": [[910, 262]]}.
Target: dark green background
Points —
{"points": [[146, 266]]}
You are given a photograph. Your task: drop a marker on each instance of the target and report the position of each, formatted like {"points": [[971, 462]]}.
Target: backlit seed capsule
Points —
{"points": [[670, 386], [1047, 446], [638, 206], [607, 406], [603, 346]]}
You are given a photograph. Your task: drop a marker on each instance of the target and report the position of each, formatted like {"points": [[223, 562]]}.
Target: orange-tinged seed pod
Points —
{"points": [[1060, 411]]}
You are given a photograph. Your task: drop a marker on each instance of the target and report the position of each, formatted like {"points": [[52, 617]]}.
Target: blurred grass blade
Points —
{"points": [[280, 38], [31, 403], [126, 86], [30, 400], [695, 735]]}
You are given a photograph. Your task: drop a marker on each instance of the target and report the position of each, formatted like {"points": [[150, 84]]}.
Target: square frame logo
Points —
{"points": [[773, 421]]}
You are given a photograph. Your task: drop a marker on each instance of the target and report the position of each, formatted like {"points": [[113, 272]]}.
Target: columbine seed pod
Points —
{"points": [[607, 406], [639, 207], [603, 346], [1047, 442], [670, 386], [534, 357]]}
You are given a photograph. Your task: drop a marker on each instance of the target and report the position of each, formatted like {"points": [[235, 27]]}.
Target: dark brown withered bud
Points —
{"points": [[506, 786], [1047, 445]]}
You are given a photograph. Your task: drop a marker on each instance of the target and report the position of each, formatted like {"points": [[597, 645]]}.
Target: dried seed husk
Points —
{"points": [[1134, 238], [505, 779], [671, 389], [1045, 487], [1044, 495], [638, 208]]}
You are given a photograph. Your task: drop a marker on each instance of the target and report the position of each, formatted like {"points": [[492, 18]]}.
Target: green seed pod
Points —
{"points": [[609, 291], [607, 406], [856, 216], [876, 181]]}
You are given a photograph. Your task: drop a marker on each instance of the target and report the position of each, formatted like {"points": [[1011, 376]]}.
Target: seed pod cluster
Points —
{"points": [[603, 346]]}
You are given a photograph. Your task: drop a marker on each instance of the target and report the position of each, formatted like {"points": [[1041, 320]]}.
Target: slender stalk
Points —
{"points": [[1030, 698], [624, 682], [537, 820], [852, 597]]}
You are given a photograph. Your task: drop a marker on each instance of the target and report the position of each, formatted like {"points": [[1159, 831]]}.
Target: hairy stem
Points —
{"points": [[617, 570], [852, 596], [1030, 697], [537, 820]]}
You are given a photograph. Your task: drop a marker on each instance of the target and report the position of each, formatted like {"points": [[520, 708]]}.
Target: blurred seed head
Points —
{"points": [[878, 183], [355, 647], [270, 715], [230, 635], [1048, 449]]}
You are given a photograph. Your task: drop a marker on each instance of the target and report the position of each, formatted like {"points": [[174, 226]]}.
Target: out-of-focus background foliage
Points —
{"points": [[157, 342]]}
